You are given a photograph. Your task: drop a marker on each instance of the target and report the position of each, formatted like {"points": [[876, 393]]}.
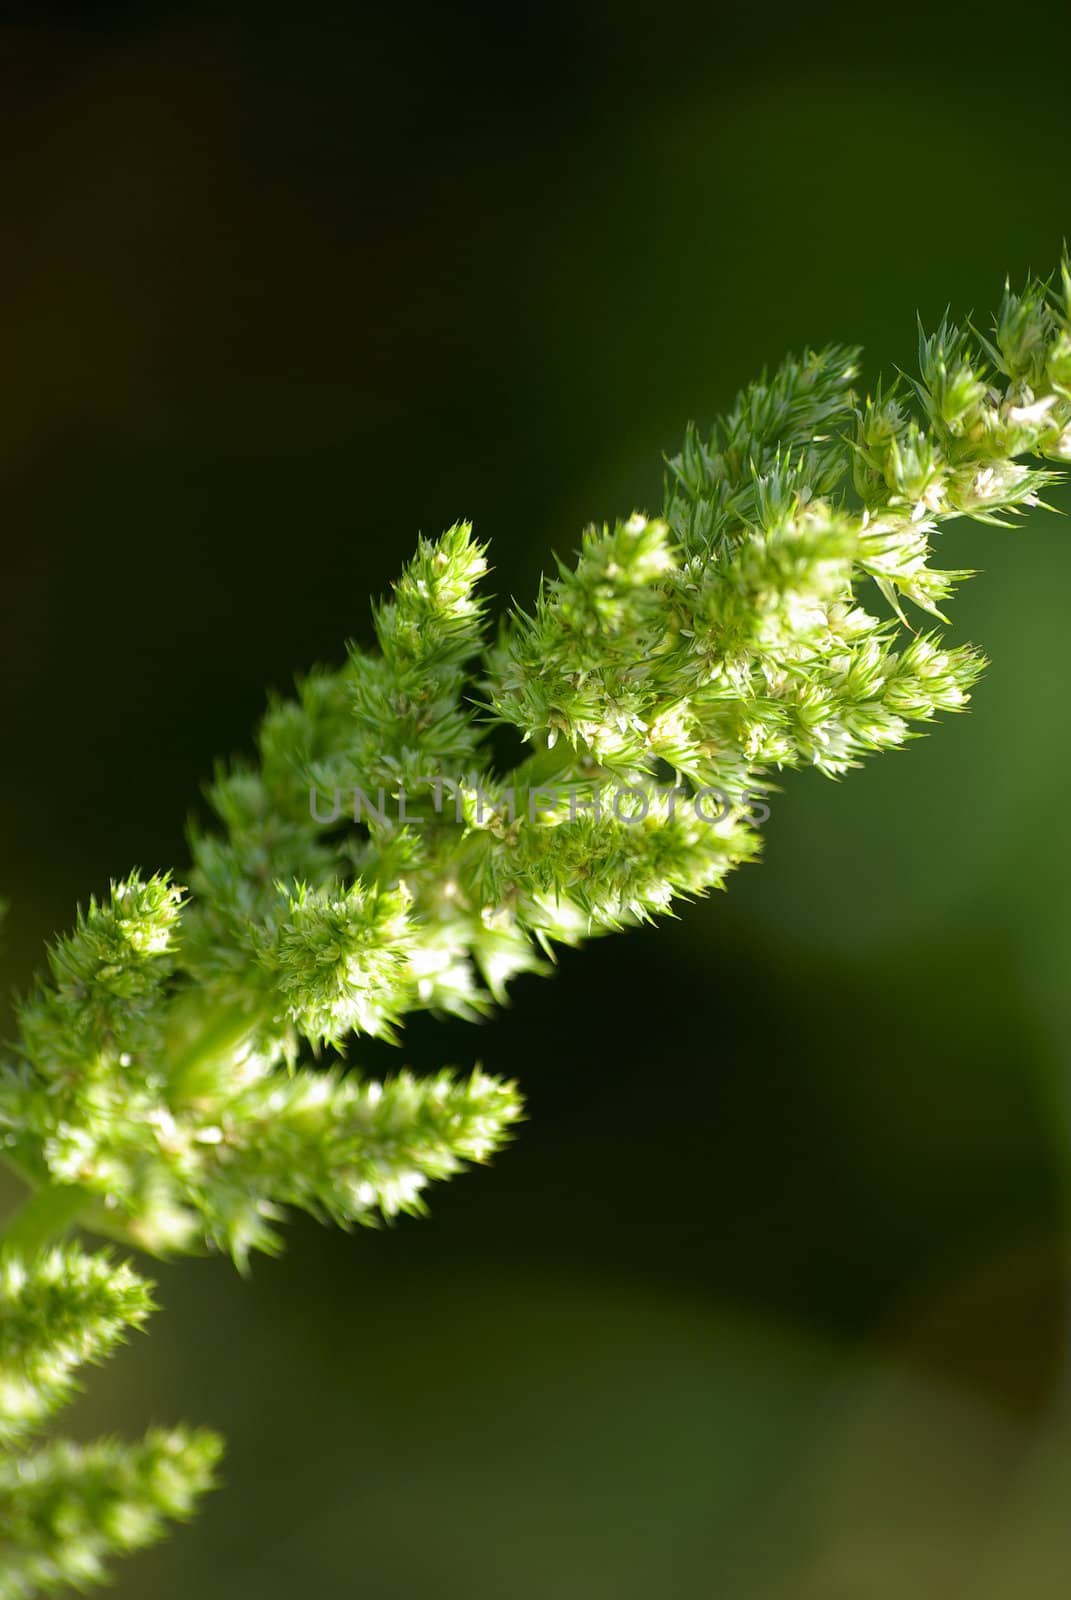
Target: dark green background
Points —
{"points": [[768, 1298]]}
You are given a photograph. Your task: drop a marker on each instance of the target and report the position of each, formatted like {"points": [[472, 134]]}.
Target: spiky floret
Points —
{"points": [[104, 978], [344, 1151], [201, 1139], [338, 960], [58, 1311], [66, 1510]]}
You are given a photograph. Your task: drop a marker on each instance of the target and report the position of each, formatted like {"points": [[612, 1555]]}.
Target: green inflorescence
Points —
{"points": [[178, 1081]]}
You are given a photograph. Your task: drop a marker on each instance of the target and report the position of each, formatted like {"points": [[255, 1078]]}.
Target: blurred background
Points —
{"points": [[769, 1298]]}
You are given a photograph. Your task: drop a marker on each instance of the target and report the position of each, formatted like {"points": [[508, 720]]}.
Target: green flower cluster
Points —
{"points": [[178, 1081], [167, 1123], [64, 1509]]}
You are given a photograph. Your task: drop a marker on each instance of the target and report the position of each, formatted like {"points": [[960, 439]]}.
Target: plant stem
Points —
{"points": [[206, 1039], [44, 1216]]}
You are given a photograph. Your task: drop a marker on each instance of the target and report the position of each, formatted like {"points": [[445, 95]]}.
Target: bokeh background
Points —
{"points": [[768, 1299]]}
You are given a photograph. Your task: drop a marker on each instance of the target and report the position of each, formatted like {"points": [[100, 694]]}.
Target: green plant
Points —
{"points": [[372, 860]]}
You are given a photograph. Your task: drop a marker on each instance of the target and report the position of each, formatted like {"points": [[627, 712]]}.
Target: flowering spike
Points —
{"points": [[67, 1510], [58, 1311], [166, 1086]]}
